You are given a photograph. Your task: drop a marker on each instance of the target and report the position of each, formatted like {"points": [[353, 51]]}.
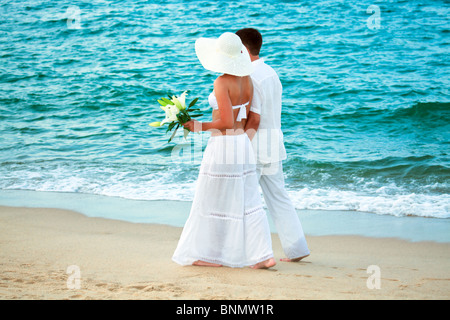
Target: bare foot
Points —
{"points": [[205, 264], [265, 264], [293, 260]]}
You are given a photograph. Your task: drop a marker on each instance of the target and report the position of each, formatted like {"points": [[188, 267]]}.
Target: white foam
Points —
{"points": [[422, 205], [125, 184], [175, 184]]}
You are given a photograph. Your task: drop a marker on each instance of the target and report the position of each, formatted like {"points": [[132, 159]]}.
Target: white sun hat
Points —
{"points": [[226, 54]]}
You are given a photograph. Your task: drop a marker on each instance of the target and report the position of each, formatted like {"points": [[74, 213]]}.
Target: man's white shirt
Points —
{"points": [[267, 92]]}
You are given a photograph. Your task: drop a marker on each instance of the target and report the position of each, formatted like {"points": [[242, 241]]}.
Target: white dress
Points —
{"points": [[227, 224]]}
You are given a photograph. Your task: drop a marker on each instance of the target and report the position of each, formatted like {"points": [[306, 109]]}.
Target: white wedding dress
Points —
{"points": [[227, 224]]}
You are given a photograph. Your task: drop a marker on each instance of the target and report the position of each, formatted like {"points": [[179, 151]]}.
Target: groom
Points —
{"points": [[264, 128]]}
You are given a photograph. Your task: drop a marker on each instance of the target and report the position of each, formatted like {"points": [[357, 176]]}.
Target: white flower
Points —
{"points": [[180, 101], [171, 113]]}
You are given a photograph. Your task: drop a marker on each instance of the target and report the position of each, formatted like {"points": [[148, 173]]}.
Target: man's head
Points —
{"points": [[252, 40]]}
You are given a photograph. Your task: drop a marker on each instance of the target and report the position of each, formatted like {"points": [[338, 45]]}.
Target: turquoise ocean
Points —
{"points": [[366, 109]]}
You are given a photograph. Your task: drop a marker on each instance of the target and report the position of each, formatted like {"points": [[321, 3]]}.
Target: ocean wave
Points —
{"points": [[365, 112], [411, 171], [399, 205], [142, 182], [426, 112], [421, 205]]}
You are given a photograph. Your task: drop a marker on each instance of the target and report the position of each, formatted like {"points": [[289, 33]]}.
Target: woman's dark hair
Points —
{"points": [[252, 39]]}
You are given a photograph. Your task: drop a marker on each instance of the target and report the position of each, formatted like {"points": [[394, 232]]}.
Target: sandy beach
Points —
{"points": [[60, 254]]}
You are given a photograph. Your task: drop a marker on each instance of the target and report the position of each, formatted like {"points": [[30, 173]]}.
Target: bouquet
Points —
{"points": [[176, 113]]}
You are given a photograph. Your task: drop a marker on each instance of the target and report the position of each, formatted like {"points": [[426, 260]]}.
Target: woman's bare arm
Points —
{"points": [[252, 124]]}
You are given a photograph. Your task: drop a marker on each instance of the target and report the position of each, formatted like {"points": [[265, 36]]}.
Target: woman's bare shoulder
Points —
{"points": [[222, 80]]}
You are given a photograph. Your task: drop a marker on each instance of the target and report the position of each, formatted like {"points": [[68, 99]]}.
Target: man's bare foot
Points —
{"points": [[205, 264], [265, 264], [294, 260]]}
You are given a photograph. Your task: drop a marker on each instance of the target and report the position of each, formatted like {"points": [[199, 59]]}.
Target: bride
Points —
{"points": [[227, 225]]}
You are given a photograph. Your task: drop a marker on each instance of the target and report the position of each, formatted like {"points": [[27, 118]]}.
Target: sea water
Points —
{"points": [[366, 108]]}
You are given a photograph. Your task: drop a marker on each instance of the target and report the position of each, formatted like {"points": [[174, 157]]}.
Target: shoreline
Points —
{"points": [[174, 213], [126, 260]]}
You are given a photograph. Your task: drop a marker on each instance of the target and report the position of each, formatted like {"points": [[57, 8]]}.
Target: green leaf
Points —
{"points": [[196, 115], [193, 102], [183, 117], [171, 125], [167, 101], [163, 103]]}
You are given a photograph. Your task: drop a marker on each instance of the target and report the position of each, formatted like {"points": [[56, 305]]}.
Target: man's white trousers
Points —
{"points": [[282, 211]]}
